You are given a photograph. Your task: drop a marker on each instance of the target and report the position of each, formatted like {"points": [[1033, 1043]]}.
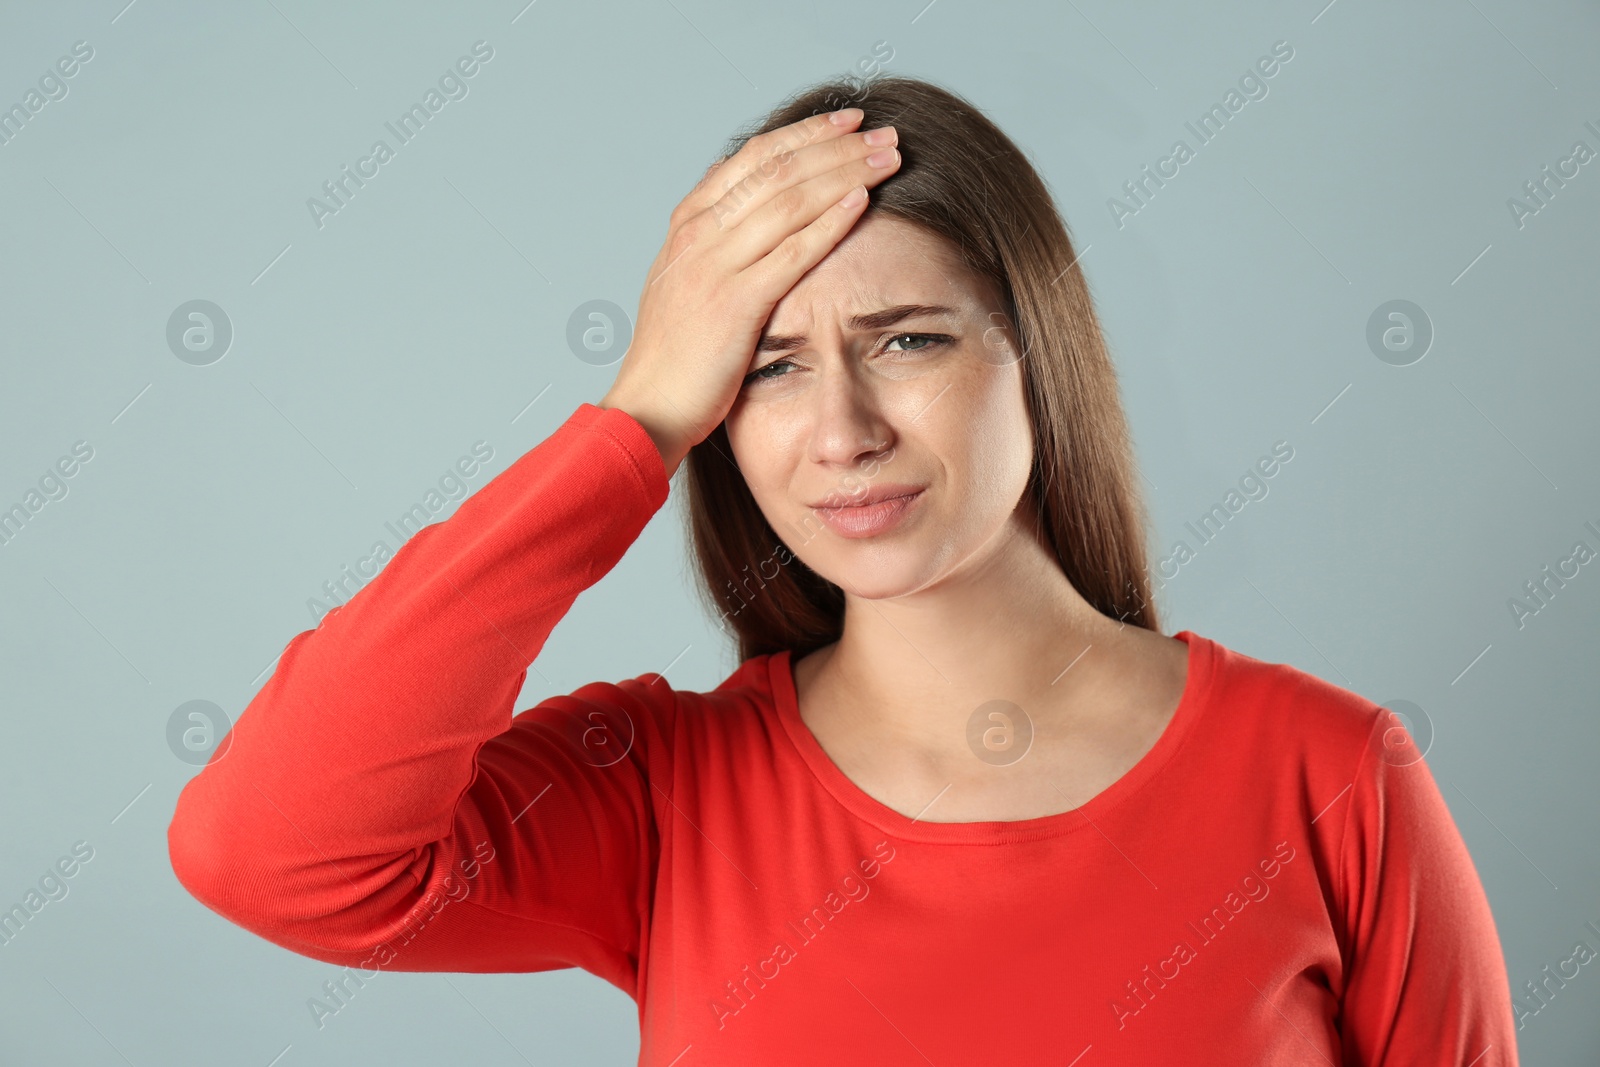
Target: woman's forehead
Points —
{"points": [[881, 264]]}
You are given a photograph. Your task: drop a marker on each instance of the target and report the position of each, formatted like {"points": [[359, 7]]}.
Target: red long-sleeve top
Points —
{"points": [[1277, 881]]}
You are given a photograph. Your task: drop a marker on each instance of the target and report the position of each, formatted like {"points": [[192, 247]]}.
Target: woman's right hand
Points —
{"points": [[741, 239]]}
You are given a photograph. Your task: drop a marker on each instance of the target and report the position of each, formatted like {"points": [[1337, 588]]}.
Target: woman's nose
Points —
{"points": [[848, 422]]}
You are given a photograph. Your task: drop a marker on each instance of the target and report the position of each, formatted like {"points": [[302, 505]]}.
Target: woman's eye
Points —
{"points": [[918, 342], [927, 341], [761, 374]]}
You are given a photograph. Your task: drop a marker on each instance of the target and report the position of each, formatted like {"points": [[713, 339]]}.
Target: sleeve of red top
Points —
{"points": [[1425, 978], [377, 804]]}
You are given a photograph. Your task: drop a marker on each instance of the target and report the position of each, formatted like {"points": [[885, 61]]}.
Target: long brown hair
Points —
{"points": [[963, 179]]}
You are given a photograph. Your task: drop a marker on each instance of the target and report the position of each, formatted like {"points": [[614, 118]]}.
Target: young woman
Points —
{"points": [[961, 802]]}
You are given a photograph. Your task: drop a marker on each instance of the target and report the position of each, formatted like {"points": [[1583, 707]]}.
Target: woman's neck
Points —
{"points": [[1006, 626]]}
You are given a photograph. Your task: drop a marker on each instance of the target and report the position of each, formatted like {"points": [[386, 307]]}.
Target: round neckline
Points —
{"points": [[1197, 680]]}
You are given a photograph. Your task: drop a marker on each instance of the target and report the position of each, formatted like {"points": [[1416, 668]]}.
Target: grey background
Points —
{"points": [[432, 311]]}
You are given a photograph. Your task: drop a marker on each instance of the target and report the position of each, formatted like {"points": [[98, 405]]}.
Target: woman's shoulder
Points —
{"points": [[1261, 702], [750, 685], [652, 722]]}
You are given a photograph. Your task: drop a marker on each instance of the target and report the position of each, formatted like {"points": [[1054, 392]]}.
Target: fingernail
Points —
{"points": [[881, 135], [846, 116], [882, 158]]}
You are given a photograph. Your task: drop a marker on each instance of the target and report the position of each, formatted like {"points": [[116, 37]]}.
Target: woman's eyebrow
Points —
{"points": [[867, 320]]}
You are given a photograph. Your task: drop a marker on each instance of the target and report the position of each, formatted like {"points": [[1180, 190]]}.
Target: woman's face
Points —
{"points": [[840, 406]]}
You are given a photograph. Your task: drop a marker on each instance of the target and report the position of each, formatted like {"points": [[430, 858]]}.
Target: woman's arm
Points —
{"points": [[377, 805], [1425, 979]]}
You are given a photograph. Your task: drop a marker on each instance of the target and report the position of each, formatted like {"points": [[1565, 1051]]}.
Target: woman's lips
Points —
{"points": [[869, 520]]}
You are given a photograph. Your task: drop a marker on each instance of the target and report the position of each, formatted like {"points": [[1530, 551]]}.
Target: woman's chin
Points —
{"points": [[879, 576]]}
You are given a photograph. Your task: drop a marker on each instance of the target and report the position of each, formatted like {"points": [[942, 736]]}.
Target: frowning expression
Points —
{"points": [[886, 372]]}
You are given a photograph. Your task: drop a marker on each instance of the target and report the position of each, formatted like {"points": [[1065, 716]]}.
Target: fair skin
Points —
{"points": [[961, 602]]}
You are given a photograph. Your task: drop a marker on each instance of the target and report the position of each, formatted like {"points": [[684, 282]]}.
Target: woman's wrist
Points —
{"points": [[667, 442]]}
